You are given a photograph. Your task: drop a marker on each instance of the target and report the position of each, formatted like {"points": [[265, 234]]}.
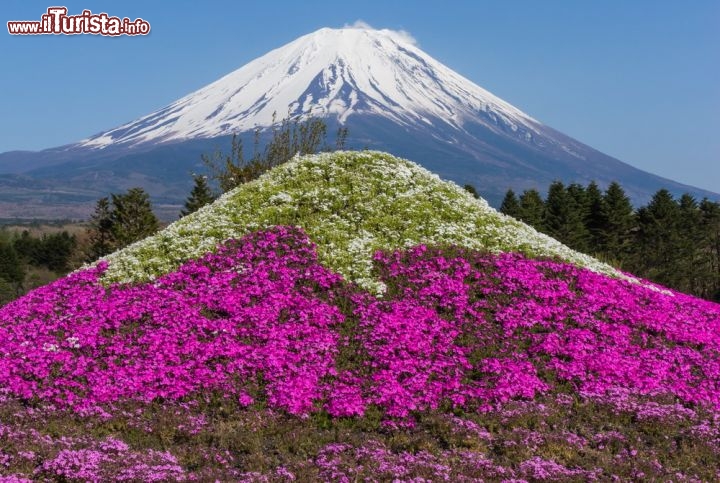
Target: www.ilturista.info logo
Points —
{"points": [[56, 21]]}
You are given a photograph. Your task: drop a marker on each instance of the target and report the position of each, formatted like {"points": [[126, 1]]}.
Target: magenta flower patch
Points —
{"points": [[261, 320], [262, 325]]}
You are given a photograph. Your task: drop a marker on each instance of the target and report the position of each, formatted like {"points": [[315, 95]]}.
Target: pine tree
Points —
{"points": [[100, 231], [132, 217], [510, 204], [556, 205], [563, 217], [579, 236], [657, 239], [688, 253], [578, 194], [200, 196], [532, 207], [618, 221], [595, 220], [710, 247]]}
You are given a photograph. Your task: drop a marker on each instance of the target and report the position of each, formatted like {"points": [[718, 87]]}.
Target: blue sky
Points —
{"points": [[637, 80]]}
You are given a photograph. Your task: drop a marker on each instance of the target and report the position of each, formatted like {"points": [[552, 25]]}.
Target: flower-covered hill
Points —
{"points": [[350, 204], [255, 362]]}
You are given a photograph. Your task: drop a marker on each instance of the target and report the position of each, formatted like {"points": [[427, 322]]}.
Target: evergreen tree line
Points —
{"points": [[674, 242]]}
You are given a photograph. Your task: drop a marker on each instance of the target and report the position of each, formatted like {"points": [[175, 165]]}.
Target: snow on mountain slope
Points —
{"points": [[330, 72]]}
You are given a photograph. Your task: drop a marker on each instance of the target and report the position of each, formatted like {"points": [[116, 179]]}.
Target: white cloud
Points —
{"points": [[405, 36], [359, 24], [402, 35]]}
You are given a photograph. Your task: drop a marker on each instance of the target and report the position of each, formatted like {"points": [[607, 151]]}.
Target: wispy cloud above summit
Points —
{"points": [[403, 35], [358, 24]]}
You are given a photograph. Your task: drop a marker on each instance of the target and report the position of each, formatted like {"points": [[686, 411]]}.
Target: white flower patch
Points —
{"points": [[350, 204], [280, 198], [73, 342], [47, 347]]}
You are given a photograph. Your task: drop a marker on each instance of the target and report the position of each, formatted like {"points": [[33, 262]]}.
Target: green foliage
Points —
{"points": [[657, 237], [119, 221], [57, 250], [564, 216], [27, 261], [710, 250], [52, 250], [28, 247], [231, 170], [200, 196], [132, 217], [12, 272], [687, 275], [618, 220], [100, 231], [510, 205], [11, 268], [595, 218], [532, 207], [579, 213]]}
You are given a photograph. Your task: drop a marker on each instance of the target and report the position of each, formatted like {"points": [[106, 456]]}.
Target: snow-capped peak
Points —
{"points": [[330, 72]]}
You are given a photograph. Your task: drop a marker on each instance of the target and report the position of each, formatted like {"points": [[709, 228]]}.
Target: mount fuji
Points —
{"points": [[388, 93]]}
